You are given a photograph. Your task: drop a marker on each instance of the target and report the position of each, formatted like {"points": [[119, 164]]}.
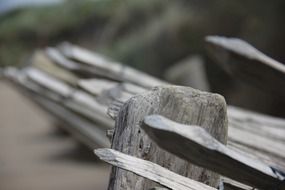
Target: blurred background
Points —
{"points": [[155, 36]]}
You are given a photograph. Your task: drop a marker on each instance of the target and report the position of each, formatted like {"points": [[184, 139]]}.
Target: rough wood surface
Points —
{"points": [[194, 144], [182, 104], [150, 171], [261, 124], [257, 135], [246, 63]]}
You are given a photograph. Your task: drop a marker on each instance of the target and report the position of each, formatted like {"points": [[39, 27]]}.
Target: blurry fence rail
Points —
{"points": [[88, 92]]}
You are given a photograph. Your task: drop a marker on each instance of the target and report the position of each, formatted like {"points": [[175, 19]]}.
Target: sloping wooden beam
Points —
{"points": [[194, 144], [81, 128], [41, 61], [109, 68], [150, 170], [74, 99], [246, 63]]}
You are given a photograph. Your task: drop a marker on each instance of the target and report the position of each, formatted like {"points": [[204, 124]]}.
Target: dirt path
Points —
{"points": [[35, 157]]}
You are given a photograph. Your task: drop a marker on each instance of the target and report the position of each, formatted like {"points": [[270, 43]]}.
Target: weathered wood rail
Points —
{"points": [[193, 143], [245, 62], [182, 104], [150, 170], [84, 89]]}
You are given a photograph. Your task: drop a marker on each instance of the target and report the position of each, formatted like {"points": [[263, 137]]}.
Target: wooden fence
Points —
{"points": [[178, 137]]}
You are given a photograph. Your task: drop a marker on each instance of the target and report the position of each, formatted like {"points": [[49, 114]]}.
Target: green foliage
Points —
{"points": [[23, 30]]}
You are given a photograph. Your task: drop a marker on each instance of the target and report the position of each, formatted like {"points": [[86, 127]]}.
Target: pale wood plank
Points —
{"points": [[149, 170]]}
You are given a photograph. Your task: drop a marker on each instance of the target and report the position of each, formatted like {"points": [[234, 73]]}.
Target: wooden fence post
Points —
{"points": [[181, 104]]}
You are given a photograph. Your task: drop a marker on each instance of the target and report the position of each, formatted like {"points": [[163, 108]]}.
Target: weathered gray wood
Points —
{"points": [[73, 66], [253, 153], [58, 58], [114, 94], [257, 135], [109, 68], [133, 89], [194, 144], [256, 141], [76, 100], [48, 82], [97, 86], [261, 124], [114, 108], [109, 134], [246, 63], [107, 91], [82, 129], [150, 170], [182, 104], [229, 184], [255, 118]]}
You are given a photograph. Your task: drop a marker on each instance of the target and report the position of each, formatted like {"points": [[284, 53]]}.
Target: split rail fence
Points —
{"points": [[157, 135]]}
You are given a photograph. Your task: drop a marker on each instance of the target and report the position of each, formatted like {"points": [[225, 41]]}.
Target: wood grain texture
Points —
{"points": [[194, 144], [182, 104], [246, 63], [257, 135], [150, 171]]}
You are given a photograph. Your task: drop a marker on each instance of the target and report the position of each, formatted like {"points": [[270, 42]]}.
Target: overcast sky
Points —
{"points": [[8, 5]]}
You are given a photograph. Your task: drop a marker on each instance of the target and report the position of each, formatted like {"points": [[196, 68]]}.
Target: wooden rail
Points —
{"points": [[194, 144], [83, 89]]}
